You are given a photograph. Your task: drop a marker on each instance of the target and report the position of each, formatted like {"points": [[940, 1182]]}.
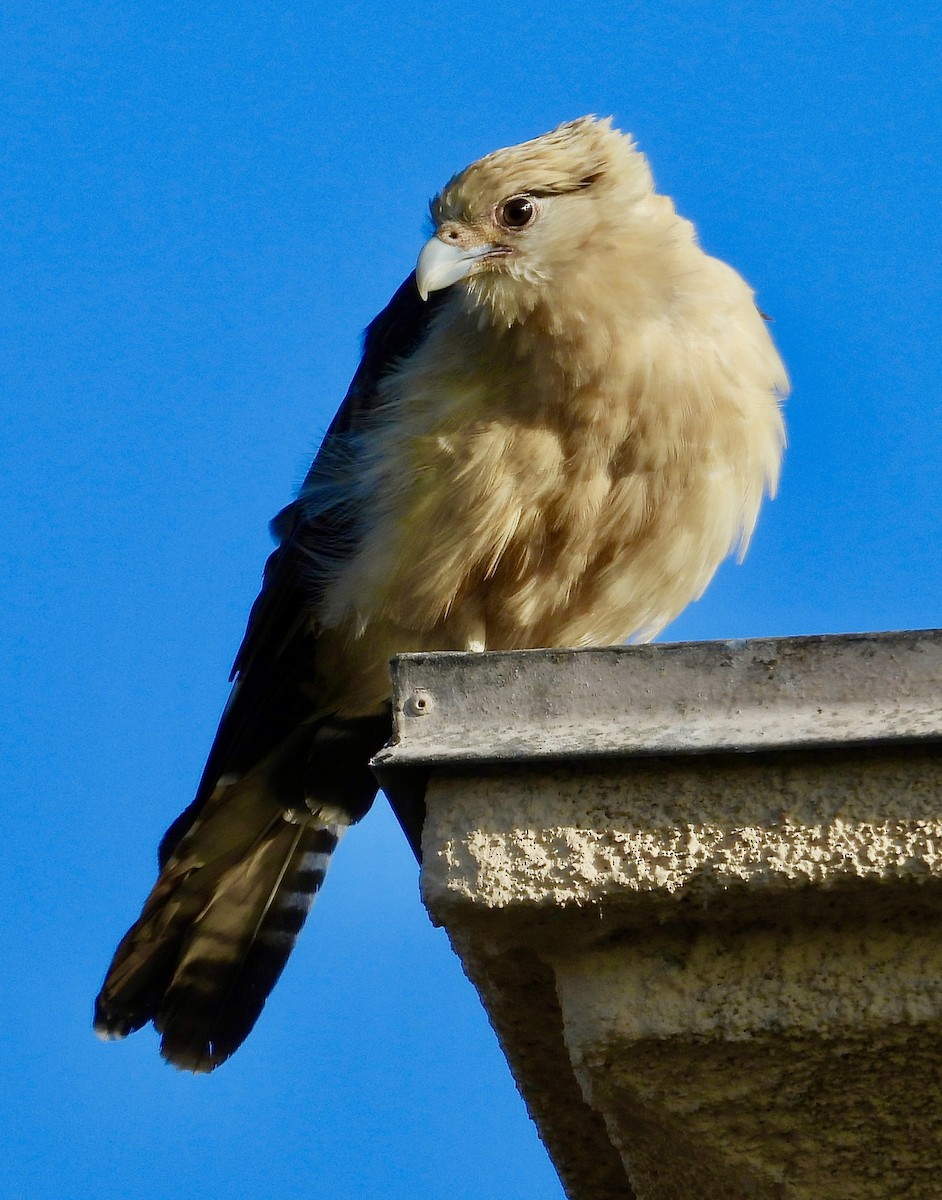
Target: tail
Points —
{"points": [[216, 931]]}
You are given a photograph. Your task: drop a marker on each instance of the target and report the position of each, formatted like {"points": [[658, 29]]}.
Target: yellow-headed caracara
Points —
{"points": [[562, 423]]}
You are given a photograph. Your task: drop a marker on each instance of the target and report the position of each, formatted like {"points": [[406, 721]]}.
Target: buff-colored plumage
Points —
{"points": [[585, 434], [556, 446]]}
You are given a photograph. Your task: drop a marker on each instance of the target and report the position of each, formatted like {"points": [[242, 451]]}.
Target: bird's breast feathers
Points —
{"points": [[549, 485]]}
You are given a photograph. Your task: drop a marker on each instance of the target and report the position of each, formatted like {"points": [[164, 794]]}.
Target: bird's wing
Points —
{"points": [[272, 698], [240, 867]]}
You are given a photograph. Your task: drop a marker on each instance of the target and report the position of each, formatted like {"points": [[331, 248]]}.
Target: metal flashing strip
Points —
{"points": [[680, 698]]}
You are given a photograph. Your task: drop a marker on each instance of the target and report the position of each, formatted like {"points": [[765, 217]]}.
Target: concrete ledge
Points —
{"points": [[715, 972], [665, 699]]}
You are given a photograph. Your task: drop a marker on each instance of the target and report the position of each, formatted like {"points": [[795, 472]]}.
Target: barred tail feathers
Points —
{"points": [[240, 944], [213, 940]]}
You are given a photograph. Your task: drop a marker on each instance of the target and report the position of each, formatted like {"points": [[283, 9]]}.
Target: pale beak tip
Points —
{"points": [[440, 264]]}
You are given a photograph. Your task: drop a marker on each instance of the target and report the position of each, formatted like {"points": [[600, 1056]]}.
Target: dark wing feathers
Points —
{"points": [[271, 699], [240, 867]]}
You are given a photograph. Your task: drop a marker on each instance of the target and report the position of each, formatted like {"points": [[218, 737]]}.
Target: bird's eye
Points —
{"points": [[516, 212]]}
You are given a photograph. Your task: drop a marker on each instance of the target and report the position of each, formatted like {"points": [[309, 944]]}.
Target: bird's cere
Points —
{"points": [[440, 264]]}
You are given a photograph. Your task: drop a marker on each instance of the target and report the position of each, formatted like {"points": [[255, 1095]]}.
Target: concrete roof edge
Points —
{"points": [[668, 698]]}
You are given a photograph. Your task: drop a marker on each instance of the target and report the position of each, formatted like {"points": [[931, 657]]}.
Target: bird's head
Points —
{"points": [[529, 217]]}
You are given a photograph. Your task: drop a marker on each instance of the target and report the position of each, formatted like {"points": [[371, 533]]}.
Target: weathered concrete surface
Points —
{"points": [[715, 974], [666, 699]]}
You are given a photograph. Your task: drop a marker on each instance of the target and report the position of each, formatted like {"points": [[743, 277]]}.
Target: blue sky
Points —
{"points": [[201, 206]]}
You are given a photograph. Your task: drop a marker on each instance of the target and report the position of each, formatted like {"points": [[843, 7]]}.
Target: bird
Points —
{"points": [[565, 419]]}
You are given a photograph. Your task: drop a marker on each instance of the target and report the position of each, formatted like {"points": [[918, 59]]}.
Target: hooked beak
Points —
{"points": [[440, 264]]}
